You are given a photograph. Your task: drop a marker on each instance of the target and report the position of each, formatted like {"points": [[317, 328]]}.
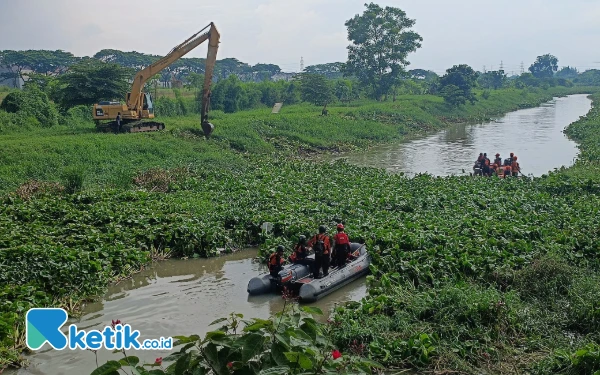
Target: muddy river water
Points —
{"points": [[181, 297], [534, 135]]}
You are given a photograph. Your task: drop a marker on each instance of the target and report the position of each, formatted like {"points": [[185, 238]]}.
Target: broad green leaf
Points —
{"points": [[108, 368], [253, 345], [312, 310], [180, 340], [129, 361], [218, 321], [182, 364], [278, 351]]}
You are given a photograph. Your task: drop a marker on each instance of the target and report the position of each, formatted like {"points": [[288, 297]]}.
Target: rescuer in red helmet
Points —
{"points": [[341, 248]]}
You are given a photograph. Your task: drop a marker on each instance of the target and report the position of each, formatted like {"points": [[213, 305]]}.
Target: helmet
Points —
{"points": [[280, 248], [302, 239], [322, 229], [340, 226]]}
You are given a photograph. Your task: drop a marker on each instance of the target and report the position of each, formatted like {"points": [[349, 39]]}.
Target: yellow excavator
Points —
{"points": [[139, 106]]}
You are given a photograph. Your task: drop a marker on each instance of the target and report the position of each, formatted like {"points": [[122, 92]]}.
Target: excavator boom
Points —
{"points": [[139, 106]]}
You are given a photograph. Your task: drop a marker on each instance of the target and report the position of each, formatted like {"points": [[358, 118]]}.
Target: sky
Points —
{"points": [[474, 32]]}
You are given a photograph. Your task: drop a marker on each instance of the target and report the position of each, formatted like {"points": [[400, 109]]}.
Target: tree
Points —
{"points": [[90, 81], [456, 86], [330, 70], [544, 66], [422, 74], [381, 41], [567, 72], [315, 89], [588, 78], [492, 79]]}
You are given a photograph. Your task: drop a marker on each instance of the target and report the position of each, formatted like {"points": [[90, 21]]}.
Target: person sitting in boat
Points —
{"points": [[341, 247], [507, 171], [276, 261], [322, 247], [515, 166], [498, 159], [300, 254]]}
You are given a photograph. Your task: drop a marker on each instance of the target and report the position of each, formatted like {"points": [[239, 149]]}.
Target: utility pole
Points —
{"points": [[522, 68], [301, 64], [484, 71], [501, 65]]}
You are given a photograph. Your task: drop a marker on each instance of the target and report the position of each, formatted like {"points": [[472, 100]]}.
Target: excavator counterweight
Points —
{"points": [[139, 106]]}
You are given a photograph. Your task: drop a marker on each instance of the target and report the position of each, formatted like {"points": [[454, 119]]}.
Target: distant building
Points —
{"points": [[283, 76]]}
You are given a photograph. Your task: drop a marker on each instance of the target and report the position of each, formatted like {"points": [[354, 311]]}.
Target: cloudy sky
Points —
{"points": [[475, 32]]}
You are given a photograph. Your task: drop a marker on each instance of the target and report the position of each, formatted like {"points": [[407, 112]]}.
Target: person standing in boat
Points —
{"points": [[322, 247], [300, 254], [341, 247], [516, 168], [276, 261], [498, 159]]}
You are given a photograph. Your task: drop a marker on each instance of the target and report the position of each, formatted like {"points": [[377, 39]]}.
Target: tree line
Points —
{"points": [[381, 38]]}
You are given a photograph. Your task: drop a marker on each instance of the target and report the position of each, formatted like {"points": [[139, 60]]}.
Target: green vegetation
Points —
{"points": [[291, 342]]}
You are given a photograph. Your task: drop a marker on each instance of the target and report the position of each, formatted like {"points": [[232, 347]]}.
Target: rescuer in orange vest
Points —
{"points": [[516, 168], [300, 254], [342, 246], [276, 261], [322, 247]]}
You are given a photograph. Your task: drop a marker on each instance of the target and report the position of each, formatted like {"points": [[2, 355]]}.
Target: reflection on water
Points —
{"points": [[534, 135], [176, 297]]}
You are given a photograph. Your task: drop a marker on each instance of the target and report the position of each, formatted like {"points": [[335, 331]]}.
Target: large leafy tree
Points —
{"points": [[492, 80], [315, 89], [544, 66], [90, 81], [456, 86], [381, 41]]}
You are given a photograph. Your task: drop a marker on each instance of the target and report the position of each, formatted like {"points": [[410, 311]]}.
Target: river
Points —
{"points": [[175, 298], [534, 135], [181, 297]]}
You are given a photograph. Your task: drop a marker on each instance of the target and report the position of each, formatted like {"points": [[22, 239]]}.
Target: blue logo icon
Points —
{"points": [[43, 326]]}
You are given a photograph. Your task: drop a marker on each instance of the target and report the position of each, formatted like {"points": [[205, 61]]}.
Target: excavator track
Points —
{"points": [[132, 127]]}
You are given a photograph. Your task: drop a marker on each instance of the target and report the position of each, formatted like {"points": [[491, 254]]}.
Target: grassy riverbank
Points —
{"points": [[58, 248], [107, 160]]}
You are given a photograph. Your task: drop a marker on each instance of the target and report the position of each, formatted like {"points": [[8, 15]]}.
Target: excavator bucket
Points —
{"points": [[207, 128]]}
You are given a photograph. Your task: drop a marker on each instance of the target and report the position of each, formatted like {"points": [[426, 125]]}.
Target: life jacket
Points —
{"points": [[274, 264], [320, 244], [341, 238], [300, 252]]}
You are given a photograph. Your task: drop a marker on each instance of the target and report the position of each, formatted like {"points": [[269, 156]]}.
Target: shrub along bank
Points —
{"points": [[455, 240]]}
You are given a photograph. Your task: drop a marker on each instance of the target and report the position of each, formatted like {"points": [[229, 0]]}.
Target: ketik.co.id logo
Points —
{"points": [[44, 326]]}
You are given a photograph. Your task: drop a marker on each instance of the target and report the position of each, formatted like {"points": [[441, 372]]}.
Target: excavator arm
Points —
{"points": [[135, 98]]}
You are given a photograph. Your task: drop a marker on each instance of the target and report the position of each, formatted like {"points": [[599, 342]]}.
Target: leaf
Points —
{"points": [[292, 356], [275, 370], [305, 362], [218, 321], [278, 354], [180, 340], [182, 364], [253, 345], [109, 368], [130, 361], [258, 325], [312, 310]]}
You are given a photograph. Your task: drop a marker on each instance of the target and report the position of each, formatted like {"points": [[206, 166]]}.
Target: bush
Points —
{"points": [[31, 102], [73, 179]]}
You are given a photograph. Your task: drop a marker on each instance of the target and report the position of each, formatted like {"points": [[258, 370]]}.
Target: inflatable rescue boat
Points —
{"points": [[297, 277]]}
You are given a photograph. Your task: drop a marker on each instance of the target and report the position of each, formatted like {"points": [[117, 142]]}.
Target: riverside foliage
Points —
{"points": [[453, 257]]}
